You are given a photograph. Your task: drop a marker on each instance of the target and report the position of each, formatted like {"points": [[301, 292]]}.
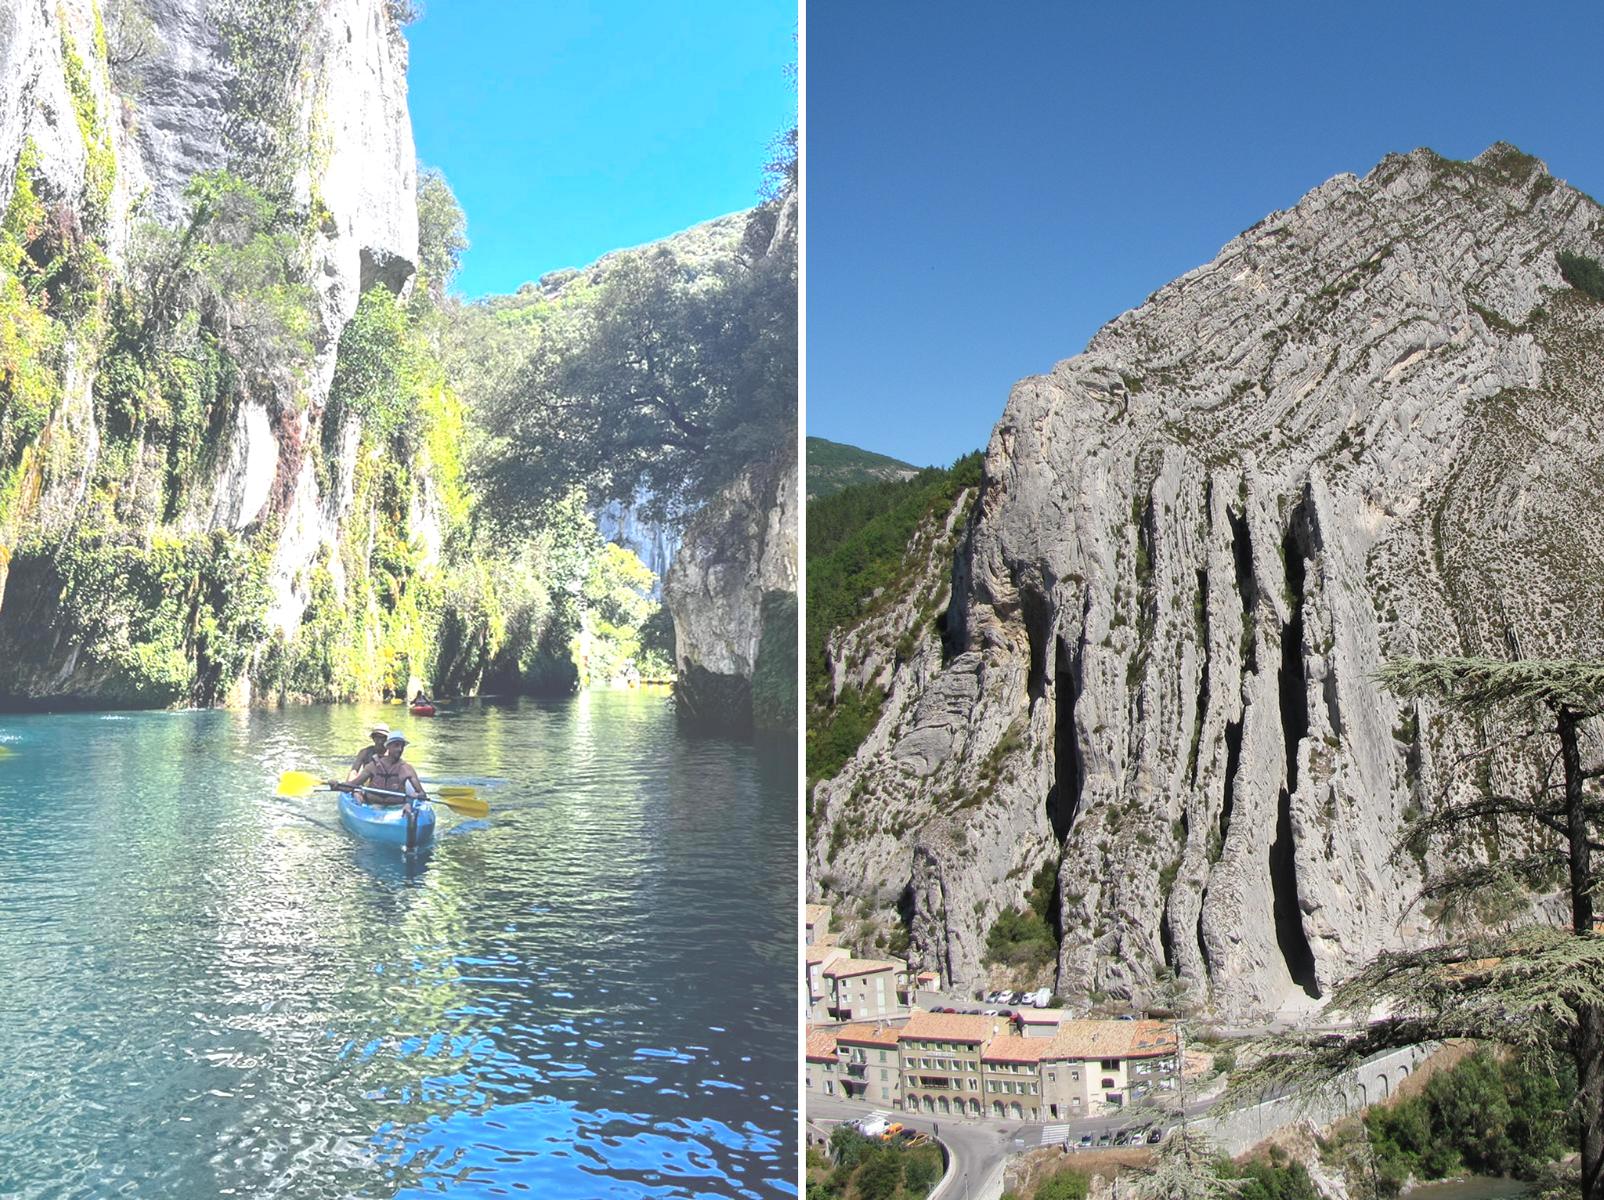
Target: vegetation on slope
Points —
{"points": [[835, 465], [858, 560]]}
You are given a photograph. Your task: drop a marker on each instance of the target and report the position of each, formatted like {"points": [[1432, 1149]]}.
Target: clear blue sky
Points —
{"points": [[987, 185], [568, 129]]}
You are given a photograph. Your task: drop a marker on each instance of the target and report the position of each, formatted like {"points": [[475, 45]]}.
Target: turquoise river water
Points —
{"points": [[206, 991]]}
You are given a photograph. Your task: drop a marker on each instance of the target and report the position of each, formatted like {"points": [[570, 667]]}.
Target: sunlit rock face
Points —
{"points": [[329, 79], [738, 550], [1371, 427]]}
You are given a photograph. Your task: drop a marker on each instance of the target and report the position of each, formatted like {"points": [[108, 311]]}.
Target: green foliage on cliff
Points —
{"points": [[1582, 273], [1026, 936], [857, 550], [442, 234], [171, 621], [774, 673], [100, 165], [30, 341]]}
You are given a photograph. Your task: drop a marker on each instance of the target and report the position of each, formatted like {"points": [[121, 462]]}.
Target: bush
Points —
{"points": [[1065, 1185], [1492, 1117], [1582, 273], [1019, 937]]}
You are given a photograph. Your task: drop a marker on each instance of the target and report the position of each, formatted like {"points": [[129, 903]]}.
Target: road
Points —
{"points": [[979, 1148]]}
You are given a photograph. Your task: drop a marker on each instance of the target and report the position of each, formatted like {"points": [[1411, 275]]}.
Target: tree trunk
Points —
{"points": [[1587, 1045], [1588, 1048], [1576, 826]]}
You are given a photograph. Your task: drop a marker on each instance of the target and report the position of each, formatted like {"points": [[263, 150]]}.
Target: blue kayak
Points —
{"points": [[389, 823]]}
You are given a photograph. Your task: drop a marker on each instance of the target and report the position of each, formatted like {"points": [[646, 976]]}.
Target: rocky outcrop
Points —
{"points": [[738, 556], [1371, 427], [305, 99]]}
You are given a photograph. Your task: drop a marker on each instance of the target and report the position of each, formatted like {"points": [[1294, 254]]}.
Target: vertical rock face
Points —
{"points": [[738, 550], [1370, 428], [319, 83]]}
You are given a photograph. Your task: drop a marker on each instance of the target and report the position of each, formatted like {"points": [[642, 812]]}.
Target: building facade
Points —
{"points": [[869, 1062], [939, 1054], [862, 989]]}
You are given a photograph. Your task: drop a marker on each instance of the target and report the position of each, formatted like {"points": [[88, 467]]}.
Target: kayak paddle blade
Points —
{"points": [[297, 784], [468, 805]]}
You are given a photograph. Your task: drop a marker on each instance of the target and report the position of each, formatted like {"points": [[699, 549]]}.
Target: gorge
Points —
{"points": [[237, 415]]}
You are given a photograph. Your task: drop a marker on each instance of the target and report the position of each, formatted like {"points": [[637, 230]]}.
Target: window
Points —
{"points": [[829, 1087], [1075, 1075], [1110, 1064], [1108, 1083]]}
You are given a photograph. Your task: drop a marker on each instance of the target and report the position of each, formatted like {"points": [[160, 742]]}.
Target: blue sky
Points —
{"points": [[988, 185], [568, 129]]}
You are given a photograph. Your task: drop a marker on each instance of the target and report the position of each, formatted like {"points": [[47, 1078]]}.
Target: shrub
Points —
{"points": [[1064, 1185], [1582, 273]]}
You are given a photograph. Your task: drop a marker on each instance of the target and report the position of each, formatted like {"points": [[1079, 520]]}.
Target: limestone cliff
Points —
{"points": [[1371, 427], [303, 101], [732, 593]]}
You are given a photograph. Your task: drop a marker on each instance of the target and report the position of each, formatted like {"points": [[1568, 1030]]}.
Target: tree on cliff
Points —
{"points": [[1530, 986], [656, 379]]}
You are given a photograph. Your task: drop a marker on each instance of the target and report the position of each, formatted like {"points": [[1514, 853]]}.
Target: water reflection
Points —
{"points": [[208, 989]]}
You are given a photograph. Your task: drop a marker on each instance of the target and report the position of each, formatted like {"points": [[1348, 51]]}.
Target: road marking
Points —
{"points": [[1051, 1135]]}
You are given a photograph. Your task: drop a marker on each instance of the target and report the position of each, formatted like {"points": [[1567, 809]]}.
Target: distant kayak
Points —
{"points": [[386, 823], [423, 710]]}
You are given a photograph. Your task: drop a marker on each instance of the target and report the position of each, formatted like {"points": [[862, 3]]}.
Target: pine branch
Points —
{"points": [[1478, 684], [1527, 989]]}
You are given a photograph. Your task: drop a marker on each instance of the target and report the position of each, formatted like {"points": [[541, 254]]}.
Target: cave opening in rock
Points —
{"points": [[1038, 618], [1294, 698], [1233, 760], [1063, 800], [1247, 586]]}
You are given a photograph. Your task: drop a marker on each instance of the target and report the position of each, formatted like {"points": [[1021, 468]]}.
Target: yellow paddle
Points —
{"points": [[465, 800]]}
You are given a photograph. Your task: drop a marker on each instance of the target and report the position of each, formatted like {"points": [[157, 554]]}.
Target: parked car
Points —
{"points": [[1085, 1140], [1104, 1138], [1155, 1136]]}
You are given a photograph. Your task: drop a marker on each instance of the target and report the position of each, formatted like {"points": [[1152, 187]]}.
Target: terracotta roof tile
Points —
{"points": [[1113, 1039], [864, 1034], [821, 1045], [841, 968], [1013, 1048], [952, 1027], [819, 954], [817, 914]]}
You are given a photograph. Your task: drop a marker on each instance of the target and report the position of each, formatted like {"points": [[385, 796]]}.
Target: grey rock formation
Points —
{"points": [[737, 549], [1371, 427]]}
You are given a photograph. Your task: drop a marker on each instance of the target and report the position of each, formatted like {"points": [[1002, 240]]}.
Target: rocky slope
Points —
{"points": [[304, 103], [1371, 427]]}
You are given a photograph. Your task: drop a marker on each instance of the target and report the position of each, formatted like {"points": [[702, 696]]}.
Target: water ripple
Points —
{"points": [[211, 992]]}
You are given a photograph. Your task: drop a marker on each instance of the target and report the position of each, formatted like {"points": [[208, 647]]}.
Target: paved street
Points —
{"points": [[979, 1148]]}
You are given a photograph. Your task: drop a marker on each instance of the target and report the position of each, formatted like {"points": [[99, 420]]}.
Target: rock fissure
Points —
{"points": [[1293, 686]]}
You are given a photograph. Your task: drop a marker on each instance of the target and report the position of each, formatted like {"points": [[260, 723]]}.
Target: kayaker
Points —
{"points": [[422, 700], [368, 753], [387, 773]]}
